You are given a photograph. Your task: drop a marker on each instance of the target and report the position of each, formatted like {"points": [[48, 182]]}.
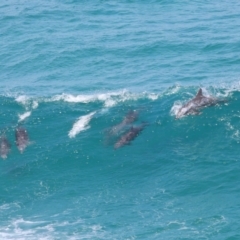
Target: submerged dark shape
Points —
{"points": [[193, 106], [5, 147], [131, 116], [22, 139], [129, 136]]}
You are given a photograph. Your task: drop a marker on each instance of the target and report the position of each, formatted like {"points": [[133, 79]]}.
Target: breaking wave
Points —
{"points": [[108, 99]]}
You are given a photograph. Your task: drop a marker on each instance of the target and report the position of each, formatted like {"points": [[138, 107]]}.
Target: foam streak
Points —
{"points": [[80, 125], [24, 116]]}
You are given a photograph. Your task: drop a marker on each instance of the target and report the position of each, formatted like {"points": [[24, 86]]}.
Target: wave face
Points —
{"points": [[78, 76]]}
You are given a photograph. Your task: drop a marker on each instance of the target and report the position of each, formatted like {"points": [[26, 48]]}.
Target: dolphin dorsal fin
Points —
{"points": [[199, 94]]}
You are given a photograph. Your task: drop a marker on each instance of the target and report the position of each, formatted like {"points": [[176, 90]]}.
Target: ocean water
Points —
{"points": [[70, 73]]}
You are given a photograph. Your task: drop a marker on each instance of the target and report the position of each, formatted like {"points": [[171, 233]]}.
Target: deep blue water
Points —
{"points": [[70, 72]]}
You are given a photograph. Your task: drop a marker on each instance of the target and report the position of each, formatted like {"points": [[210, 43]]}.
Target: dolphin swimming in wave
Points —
{"points": [[5, 147], [193, 106], [22, 139], [130, 117], [129, 136]]}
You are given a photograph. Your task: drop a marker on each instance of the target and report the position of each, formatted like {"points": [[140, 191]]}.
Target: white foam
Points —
{"points": [[35, 228], [10, 205], [23, 99], [4, 207], [96, 228], [22, 229], [109, 99], [226, 89], [24, 116], [73, 99], [110, 103], [234, 131], [81, 125], [86, 98], [175, 108], [34, 104], [173, 90], [153, 96], [28, 104]]}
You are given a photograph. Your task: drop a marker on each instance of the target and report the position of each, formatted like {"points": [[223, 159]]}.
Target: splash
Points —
{"points": [[23, 99], [81, 125], [23, 116], [108, 99], [29, 105], [175, 108]]}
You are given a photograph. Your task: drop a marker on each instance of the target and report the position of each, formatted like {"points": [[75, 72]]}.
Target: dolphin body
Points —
{"points": [[129, 118], [5, 147], [192, 107], [22, 139], [129, 136]]}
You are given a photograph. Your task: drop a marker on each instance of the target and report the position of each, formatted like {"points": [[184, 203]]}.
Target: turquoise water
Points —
{"points": [[71, 70]]}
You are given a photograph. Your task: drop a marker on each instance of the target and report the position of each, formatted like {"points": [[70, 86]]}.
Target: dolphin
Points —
{"points": [[199, 101], [129, 136], [22, 139], [5, 147], [131, 116]]}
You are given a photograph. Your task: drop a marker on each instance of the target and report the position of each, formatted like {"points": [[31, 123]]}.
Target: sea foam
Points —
{"points": [[80, 125], [108, 99]]}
